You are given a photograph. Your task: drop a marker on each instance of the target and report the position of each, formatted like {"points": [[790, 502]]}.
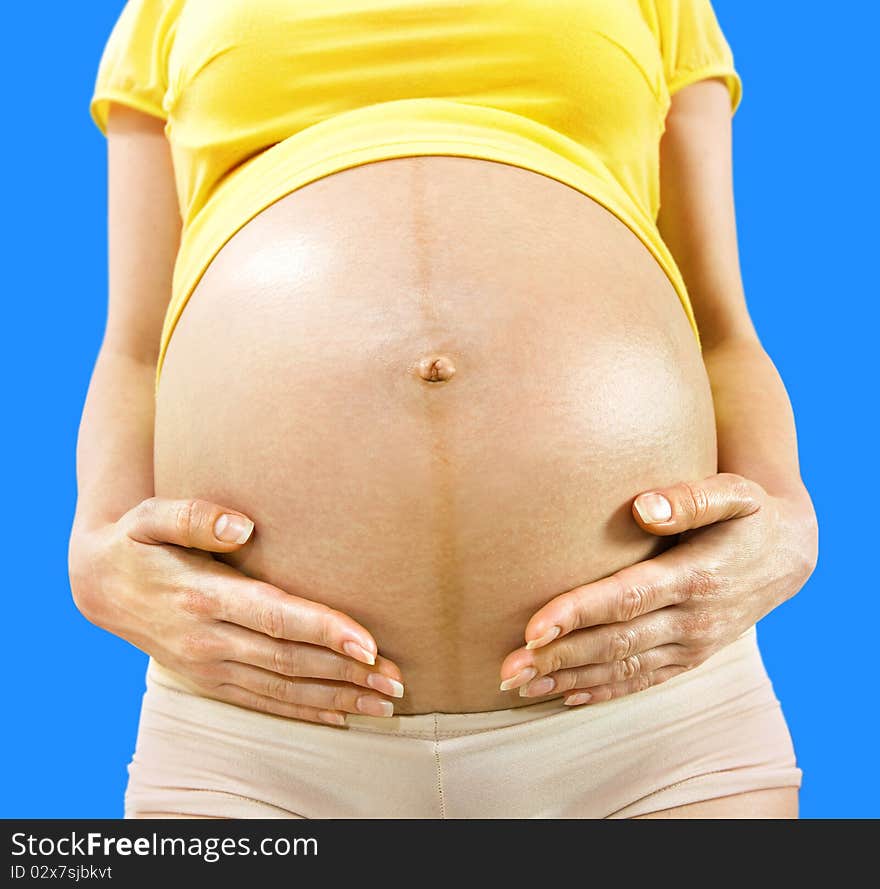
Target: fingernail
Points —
{"points": [[359, 653], [580, 698], [385, 684], [549, 636], [654, 508], [374, 706], [523, 676], [539, 687], [233, 528], [331, 718]]}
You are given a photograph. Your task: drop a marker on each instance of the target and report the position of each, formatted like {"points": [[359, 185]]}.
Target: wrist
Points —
{"points": [[801, 528], [92, 513], [797, 503], [86, 523]]}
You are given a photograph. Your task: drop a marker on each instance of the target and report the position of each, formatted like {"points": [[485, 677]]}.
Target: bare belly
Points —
{"points": [[435, 384]]}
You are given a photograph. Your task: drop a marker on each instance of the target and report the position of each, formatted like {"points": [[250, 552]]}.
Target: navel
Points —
{"points": [[435, 368]]}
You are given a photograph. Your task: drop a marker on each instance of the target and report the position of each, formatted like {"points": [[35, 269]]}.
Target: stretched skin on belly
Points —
{"points": [[435, 384]]}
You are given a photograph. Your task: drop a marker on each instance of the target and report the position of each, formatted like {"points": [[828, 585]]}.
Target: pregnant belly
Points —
{"points": [[435, 384]]}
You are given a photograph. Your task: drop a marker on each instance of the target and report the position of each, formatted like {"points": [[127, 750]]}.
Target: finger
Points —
{"points": [[309, 661], [198, 524], [669, 578], [273, 612], [602, 674], [241, 697], [716, 498], [598, 645], [643, 681], [315, 693], [623, 596]]}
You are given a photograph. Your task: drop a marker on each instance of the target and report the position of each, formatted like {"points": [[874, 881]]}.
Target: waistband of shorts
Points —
{"points": [[428, 725], [438, 724], [445, 725]]}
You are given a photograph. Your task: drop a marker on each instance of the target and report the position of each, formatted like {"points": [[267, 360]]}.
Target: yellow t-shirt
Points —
{"points": [[261, 97]]}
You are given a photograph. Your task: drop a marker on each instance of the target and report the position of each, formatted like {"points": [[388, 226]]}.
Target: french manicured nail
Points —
{"points": [[542, 686], [359, 653], [522, 677], [654, 508], [385, 684], [331, 718], [549, 636], [233, 528], [375, 706], [580, 698]]}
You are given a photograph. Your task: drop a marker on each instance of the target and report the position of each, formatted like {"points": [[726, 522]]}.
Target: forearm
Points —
{"points": [[114, 453], [754, 418]]}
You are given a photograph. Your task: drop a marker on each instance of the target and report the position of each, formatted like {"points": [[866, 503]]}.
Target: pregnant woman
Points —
{"points": [[409, 302]]}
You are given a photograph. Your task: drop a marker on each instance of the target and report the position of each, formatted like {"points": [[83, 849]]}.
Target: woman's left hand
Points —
{"points": [[741, 553]]}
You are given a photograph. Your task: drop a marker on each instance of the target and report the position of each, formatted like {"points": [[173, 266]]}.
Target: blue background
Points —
{"points": [[805, 146]]}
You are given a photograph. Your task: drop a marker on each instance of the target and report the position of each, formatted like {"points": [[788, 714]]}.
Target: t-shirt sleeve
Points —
{"points": [[133, 66], [694, 47]]}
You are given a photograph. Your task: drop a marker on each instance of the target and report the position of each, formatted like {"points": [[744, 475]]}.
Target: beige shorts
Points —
{"points": [[713, 731]]}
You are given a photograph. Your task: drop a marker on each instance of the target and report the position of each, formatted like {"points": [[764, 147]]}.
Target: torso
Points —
{"points": [[563, 378]]}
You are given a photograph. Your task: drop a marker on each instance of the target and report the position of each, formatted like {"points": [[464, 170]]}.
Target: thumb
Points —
{"points": [[198, 524], [716, 498]]}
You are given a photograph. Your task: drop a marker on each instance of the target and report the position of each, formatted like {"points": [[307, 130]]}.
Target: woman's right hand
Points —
{"points": [[149, 578]]}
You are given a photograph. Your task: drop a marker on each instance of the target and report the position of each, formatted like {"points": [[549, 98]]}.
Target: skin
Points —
{"points": [[439, 510], [113, 543]]}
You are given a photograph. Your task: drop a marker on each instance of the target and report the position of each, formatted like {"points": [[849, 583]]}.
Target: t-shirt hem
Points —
{"points": [[450, 128]]}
